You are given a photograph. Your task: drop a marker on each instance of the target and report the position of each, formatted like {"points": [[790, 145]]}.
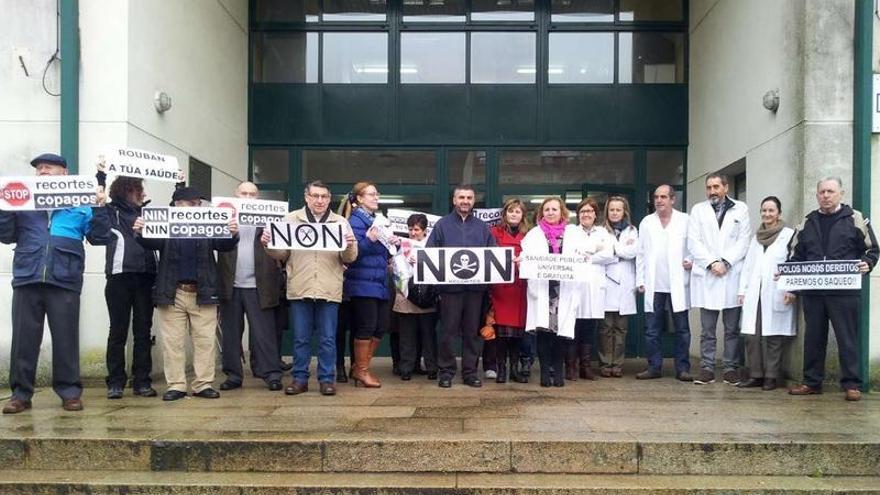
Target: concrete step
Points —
{"points": [[790, 457], [149, 483]]}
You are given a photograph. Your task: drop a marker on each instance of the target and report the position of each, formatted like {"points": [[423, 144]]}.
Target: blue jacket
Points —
{"points": [[48, 245], [368, 275], [452, 231]]}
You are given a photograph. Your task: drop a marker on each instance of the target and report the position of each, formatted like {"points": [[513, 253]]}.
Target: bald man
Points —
{"points": [[250, 284]]}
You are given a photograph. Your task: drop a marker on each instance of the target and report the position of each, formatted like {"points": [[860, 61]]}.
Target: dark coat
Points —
{"points": [[166, 279], [850, 238], [452, 231], [368, 275], [266, 271], [124, 253], [48, 245], [509, 300]]}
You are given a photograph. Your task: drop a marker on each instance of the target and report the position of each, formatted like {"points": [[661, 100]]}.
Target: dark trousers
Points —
{"points": [[585, 331], [653, 328], [370, 317], [491, 354], [282, 323], [415, 329], [261, 323], [343, 330], [129, 302], [31, 305], [843, 312], [551, 354], [460, 314]]}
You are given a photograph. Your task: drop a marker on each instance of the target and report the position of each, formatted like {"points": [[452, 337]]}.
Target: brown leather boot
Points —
{"points": [[360, 373], [571, 362], [585, 352]]}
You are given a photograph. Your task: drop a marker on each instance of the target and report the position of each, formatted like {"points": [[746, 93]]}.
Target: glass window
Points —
{"points": [[581, 58], [423, 203], [466, 167], [354, 10], [270, 165], [665, 167], [434, 11], [379, 166], [503, 10], [285, 58], [647, 57], [565, 167], [432, 58], [273, 194], [286, 10], [582, 11], [651, 10], [503, 58], [356, 58]]}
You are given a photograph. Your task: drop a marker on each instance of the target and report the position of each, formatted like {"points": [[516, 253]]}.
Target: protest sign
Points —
{"points": [[47, 192], [307, 236], [253, 212], [141, 164], [559, 267], [458, 265], [397, 219], [196, 222], [491, 216], [820, 275]]}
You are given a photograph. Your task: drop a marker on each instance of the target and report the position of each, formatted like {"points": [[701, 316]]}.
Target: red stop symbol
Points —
{"points": [[15, 193], [227, 204]]}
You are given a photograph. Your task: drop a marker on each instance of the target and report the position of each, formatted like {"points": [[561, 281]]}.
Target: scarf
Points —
{"points": [[721, 209], [311, 218], [619, 227], [766, 237], [552, 231]]}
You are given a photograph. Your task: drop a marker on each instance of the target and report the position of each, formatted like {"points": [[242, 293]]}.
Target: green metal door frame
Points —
{"points": [[70, 54]]}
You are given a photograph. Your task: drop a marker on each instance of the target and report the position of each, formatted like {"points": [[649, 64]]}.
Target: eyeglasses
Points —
{"points": [[316, 197], [371, 194]]}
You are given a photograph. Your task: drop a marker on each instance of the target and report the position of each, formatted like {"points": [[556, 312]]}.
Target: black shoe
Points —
{"points": [[341, 375], [751, 383], [173, 395], [419, 371], [432, 375], [472, 381], [285, 366], [114, 393], [649, 374], [405, 377], [208, 393], [395, 369], [525, 366], [147, 391], [229, 385], [445, 382], [769, 384], [274, 385]]}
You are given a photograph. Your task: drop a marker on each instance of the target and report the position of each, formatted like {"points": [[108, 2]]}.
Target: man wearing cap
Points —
{"points": [[47, 278], [186, 301], [250, 284]]}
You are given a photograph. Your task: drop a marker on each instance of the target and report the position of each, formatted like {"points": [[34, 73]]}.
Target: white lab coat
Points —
{"points": [[707, 242], [756, 281], [620, 275], [589, 297], [649, 233]]}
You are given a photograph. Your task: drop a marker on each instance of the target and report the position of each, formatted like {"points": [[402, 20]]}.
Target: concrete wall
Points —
{"points": [[196, 51], [741, 49]]}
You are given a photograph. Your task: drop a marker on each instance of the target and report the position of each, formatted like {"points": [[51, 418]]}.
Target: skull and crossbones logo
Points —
{"points": [[465, 264]]}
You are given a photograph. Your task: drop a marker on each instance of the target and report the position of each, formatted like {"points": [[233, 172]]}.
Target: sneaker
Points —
{"points": [[649, 374], [705, 377], [731, 377], [490, 374], [114, 393]]}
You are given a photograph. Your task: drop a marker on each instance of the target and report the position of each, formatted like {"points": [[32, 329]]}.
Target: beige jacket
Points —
{"points": [[315, 274]]}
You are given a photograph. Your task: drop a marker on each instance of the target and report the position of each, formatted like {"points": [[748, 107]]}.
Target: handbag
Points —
{"points": [[422, 295]]}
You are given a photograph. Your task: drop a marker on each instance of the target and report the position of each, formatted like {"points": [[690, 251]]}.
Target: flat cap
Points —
{"points": [[49, 158], [186, 194]]}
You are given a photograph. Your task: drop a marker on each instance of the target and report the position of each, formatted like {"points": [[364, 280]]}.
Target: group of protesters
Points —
{"points": [[710, 259]]}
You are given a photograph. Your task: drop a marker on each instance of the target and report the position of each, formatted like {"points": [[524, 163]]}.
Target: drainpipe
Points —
{"points": [[69, 12], [863, 89]]}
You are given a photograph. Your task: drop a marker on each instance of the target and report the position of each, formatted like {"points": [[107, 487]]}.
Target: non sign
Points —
{"points": [[307, 236]]}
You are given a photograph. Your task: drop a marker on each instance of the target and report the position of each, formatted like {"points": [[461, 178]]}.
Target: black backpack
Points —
{"points": [[422, 295]]}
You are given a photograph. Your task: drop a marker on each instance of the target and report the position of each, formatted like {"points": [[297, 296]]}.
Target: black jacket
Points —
{"points": [[850, 238], [124, 253], [266, 271], [166, 279], [452, 231]]}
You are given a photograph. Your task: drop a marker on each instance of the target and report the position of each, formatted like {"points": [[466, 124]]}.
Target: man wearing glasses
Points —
{"points": [[314, 288]]}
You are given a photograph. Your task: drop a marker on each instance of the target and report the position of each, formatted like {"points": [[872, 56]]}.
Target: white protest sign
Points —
{"points": [[254, 212], [47, 192], [491, 216], [141, 164], [397, 219], [172, 222], [820, 275], [559, 267], [307, 236], [384, 233], [462, 265]]}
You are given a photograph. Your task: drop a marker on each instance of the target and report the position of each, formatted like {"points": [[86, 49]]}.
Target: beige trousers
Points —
{"points": [[187, 318], [612, 340]]}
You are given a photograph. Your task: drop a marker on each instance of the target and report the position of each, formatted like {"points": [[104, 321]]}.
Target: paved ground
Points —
{"points": [[604, 410]]}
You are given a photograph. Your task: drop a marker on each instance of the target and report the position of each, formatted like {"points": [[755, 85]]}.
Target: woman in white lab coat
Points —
{"points": [[620, 287], [768, 315]]}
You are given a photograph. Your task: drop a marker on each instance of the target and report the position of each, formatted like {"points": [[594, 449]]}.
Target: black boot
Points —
{"points": [[341, 376], [571, 361], [558, 351], [513, 356], [585, 352], [545, 344]]}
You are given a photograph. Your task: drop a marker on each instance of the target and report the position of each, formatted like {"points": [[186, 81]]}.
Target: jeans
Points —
{"points": [[709, 320], [309, 317], [654, 326]]}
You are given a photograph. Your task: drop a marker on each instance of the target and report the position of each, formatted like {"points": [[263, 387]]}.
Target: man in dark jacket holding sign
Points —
{"points": [[47, 278], [460, 305], [833, 232]]}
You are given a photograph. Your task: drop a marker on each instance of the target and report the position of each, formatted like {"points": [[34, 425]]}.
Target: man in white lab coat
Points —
{"points": [[718, 238]]}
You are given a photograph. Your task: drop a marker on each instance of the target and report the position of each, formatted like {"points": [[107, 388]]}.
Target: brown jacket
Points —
{"points": [[266, 271], [315, 274]]}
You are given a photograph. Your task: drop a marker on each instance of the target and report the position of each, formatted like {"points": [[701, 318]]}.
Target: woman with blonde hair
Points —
{"points": [[620, 286]]}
